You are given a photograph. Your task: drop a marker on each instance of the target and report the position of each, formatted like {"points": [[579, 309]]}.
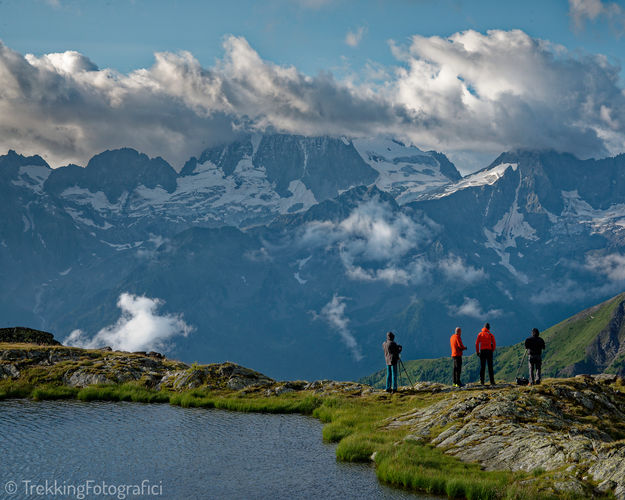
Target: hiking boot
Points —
{"points": [[460, 384]]}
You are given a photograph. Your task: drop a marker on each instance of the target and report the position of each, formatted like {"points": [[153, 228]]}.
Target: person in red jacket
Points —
{"points": [[456, 354], [484, 347]]}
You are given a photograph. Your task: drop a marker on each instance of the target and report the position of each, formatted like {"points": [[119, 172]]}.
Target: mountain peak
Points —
{"points": [[13, 159], [115, 171]]}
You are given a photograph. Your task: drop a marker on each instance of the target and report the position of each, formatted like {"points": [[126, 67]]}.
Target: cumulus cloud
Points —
{"points": [[591, 10], [612, 266], [507, 89], [468, 92], [139, 328], [334, 314], [353, 38], [373, 242], [472, 308], [455, 269]]}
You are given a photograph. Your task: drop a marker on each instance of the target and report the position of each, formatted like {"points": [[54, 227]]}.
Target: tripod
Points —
{"points": [[405, 371]]}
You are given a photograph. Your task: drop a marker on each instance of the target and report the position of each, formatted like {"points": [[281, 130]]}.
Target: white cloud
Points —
{"points": [[455, 269], [590, 10], [375, 243], [612, 266], [334, 314], [353, 38], [139, 328], [472, 308], [470, 92], [505, 89]]}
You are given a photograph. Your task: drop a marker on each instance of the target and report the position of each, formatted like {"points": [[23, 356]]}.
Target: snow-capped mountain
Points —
{"points": [[243, 183], [294, 255]]}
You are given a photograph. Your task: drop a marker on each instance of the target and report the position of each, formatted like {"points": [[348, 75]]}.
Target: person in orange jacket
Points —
{"points": [[484, 347], [456, 354]]}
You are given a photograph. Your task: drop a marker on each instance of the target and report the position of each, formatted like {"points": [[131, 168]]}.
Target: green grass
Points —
{"points": [[359, 427], [122, 392], [10, 389], [567, 341], [53, 392], [418, 466]]}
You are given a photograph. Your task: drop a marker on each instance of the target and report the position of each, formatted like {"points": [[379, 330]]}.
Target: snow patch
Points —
{"points": [[406, 172], [78, 217], [483, 178], [32, 177], [608, 221]]}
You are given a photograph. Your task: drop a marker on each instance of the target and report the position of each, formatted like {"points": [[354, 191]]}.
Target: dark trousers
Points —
{"points": [[486, 356], [535, 365], [457, 369], [391, 377]]}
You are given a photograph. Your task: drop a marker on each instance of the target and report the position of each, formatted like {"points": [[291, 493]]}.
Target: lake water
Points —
{"points": [[71, 449]]}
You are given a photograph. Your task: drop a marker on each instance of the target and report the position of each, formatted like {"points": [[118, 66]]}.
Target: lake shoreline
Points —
{"points": [[409, 436]]}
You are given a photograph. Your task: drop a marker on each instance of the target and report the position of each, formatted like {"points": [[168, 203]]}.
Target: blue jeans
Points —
{"points": [[391, 377]]}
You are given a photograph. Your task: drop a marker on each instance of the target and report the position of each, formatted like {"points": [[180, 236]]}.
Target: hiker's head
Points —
{"points": [[535, 332], [390, 335], [458, 330], [487, 326]]}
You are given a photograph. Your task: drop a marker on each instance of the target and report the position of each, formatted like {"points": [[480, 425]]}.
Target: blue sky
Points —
{"points": [[124, 34], [427, 71]]}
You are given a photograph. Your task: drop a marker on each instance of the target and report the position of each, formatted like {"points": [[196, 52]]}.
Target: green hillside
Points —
{"points": [[592, 341]]}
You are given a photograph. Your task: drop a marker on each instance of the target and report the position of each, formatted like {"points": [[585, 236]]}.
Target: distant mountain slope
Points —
{"points": [[591, 342], [301, 286]]}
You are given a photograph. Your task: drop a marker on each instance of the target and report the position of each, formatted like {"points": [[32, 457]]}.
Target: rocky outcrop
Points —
{"points": [[215, 376], [572, 428], [76, 367], [27, 335]]}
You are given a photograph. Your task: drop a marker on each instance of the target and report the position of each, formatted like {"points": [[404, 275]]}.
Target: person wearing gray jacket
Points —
{"points": [[391, 356]]}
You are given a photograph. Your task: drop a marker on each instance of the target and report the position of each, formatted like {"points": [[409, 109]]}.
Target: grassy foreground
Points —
{"points": [[358, 423]]}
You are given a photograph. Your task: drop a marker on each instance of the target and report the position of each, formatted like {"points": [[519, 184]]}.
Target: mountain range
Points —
{"points": [[296, 254]]}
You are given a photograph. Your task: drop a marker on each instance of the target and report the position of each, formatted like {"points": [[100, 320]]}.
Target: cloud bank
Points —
{"points": [[374, 242], [139, 328], [377, 243], [468, 92]]}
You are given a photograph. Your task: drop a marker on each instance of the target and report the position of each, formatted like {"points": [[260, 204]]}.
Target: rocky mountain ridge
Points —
{"points": [[311, 291]]}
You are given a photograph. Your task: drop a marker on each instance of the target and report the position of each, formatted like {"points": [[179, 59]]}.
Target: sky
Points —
{"points": [[469, 78]]}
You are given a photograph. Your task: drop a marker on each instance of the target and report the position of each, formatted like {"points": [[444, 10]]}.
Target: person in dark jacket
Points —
{"points": [[391, 356], [535, 346], [456, 354], [484, 347]]}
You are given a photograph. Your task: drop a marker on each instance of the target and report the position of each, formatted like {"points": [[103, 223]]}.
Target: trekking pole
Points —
{"points": [[406, 372]]}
